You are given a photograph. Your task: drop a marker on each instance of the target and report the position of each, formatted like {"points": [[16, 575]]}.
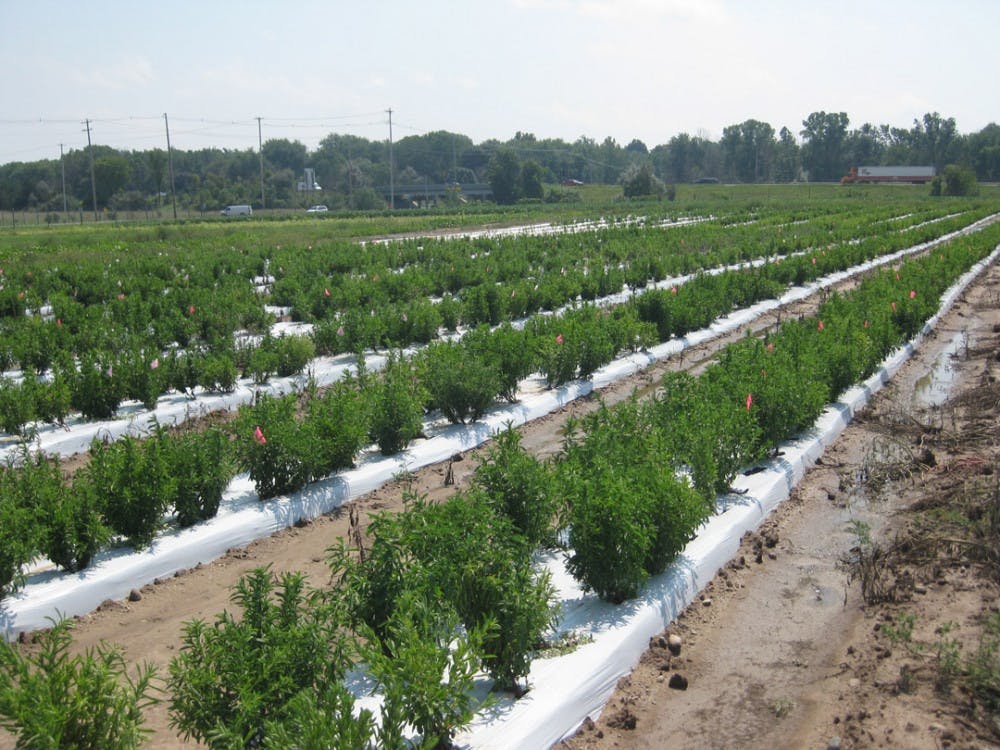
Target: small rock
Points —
{"points": [[674, 643], [134, 595], [833, 744], [706, 602], [854, 682], [678, 681], [936, 727], [919, 588], [588, 724]]}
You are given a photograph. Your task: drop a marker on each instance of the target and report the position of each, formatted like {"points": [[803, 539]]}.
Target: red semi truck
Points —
{"points": [[889, 174]]}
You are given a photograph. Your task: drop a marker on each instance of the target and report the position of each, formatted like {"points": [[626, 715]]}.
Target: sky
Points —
{"points": [[624, 69]]}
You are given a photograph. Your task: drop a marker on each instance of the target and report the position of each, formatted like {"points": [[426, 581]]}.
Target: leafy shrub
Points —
{"points": [[395, 404], [203, 467], [262, 363], [16, 410], [627, 517], [234, 679], [218, 373], [459, 383], [271, 445], [336, 426], [75, 530], [19, 533], [704, 432], [426, 668], [516, 484], [51, 699], [96, 392], [473, 555], [135, 481], [52, 401], [294, 353], [314, 721], [510, 354], [70, 530]]}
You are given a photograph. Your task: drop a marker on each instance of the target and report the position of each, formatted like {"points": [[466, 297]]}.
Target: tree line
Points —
{"points": [[351, 169]]}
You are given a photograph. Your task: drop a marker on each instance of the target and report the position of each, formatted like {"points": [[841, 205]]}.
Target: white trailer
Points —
{"points": [[890, 174]]}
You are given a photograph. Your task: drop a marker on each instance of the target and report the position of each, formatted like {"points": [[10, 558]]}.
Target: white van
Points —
{"points": [[237, 211]]}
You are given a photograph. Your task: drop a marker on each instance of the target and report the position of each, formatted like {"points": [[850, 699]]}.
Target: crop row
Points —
{"points": [[126, 489], [442, 590], [141, 344]]}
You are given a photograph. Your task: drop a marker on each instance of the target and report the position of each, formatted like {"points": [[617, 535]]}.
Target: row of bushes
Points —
{"points": [[442, 590], [284, 444], [103, 380], [127, 333]]}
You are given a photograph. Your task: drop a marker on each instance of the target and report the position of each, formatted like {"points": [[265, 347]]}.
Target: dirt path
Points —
{"points": [[774, 632]]}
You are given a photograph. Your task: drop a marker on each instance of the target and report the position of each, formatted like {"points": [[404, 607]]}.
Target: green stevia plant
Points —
{"points": [[96, 391], [204, 465], [135, 482], [424, 666], [460, 383], [395, 405], [247, 672], [516, 484], [52, 699], [19, 535], [272, 447], [336, 425]]}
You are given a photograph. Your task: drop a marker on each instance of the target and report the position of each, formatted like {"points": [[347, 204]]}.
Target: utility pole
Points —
{"points": [[93, 179], [260, 151], [62, 163], [392, 189], [170, 163]]}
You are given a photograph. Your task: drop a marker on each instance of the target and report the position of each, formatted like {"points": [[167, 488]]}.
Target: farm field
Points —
{"points": [[155, 618]]}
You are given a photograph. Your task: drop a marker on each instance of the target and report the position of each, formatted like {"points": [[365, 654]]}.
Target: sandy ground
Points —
{"points": [[780, 654]]}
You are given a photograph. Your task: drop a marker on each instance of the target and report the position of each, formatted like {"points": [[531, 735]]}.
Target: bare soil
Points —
{"points": [[783, 651]]}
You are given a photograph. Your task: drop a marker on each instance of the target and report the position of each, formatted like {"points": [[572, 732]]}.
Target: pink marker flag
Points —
{"points": [[154, 364], [259, 436], [559, 339], [820, 325], [326, 292], [913, 293], [749, 401], [191, 310], [893, 306]]}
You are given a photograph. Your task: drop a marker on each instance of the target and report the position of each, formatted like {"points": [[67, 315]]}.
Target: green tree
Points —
{"points": [[505, 176], [823, 152], [111, 174], [157, 160], [531, 180], [936, 139], [749, 150], [787, 158], [955, 180], [640, 182]]}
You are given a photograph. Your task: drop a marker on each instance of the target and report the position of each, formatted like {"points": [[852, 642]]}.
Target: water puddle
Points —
{"points": [[934, 388]]}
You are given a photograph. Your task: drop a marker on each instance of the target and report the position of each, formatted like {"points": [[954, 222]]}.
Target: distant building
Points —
{"points": [[308, 183]]}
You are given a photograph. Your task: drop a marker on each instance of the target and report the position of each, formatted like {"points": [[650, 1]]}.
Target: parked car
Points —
{"points": [[237, 211], [317, 209]]}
